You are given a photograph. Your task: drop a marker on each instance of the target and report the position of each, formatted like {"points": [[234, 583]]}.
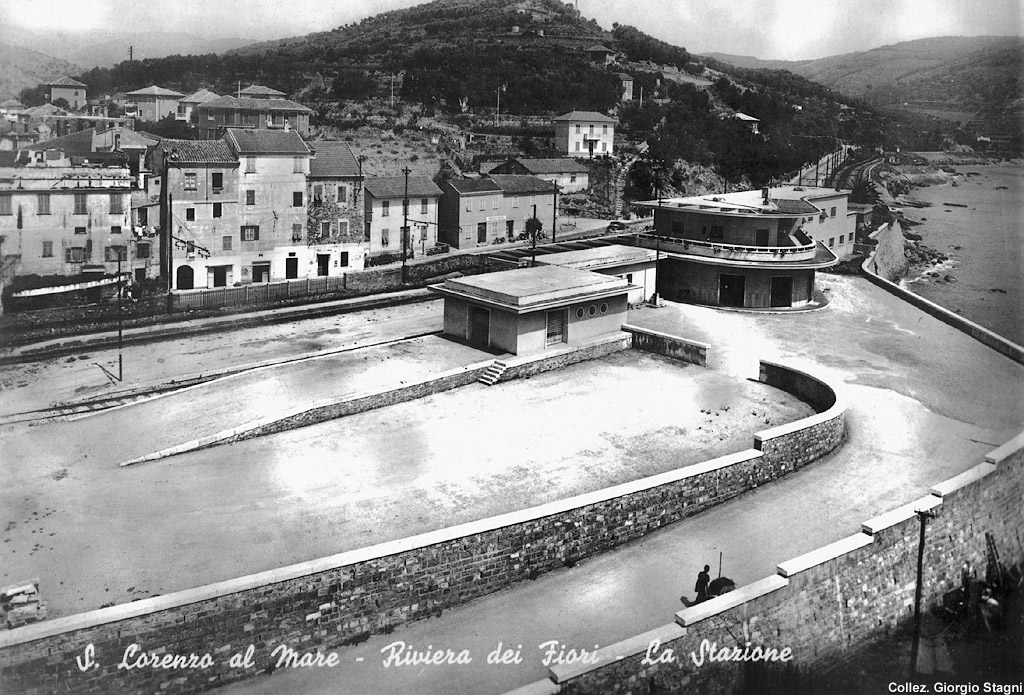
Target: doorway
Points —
{"points": [[261, 272], [731, 289], [186, 278], [479, 326], [323, 263], [291, 268], [220, 275], [556, 328], [782, 291]]}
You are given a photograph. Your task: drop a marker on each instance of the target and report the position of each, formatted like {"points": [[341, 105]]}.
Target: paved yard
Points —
{"points": [[71, 514]]}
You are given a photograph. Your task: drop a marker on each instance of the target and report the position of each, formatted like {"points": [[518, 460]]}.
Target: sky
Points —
{"points": [[768, 29]]}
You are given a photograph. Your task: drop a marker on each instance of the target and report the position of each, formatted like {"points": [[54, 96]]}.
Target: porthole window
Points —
{"points": [[592, 310], [579, 313], [604, 307]]}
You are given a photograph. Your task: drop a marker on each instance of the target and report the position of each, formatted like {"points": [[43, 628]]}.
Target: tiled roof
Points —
{"points": [[44, 110], [229, 102], [382, 187], [203, 95], [584, 116], [258, 89], [744, 117], [511, 183], [553, 166], [155, 91], [333, 159], [65, 82], [474, 186], [625, 76], [599, 47], [246, 141], [79, 143], [11, 104], [198, 151]]}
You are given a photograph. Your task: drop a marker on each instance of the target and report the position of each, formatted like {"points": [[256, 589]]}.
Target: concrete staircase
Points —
{"points": [[493, 373]]}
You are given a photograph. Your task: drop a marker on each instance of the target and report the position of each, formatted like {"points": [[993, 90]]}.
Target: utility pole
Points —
{"points": [[405, 222], [131, 53], [554, 213], [497, 107], [120, 324], [533, 253], [915, 647]]}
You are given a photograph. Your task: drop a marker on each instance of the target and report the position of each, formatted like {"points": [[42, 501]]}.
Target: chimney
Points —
{"points": [[117, 141], [287, 125], [764, 195]]}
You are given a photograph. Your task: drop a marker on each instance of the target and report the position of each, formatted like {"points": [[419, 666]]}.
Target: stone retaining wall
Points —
{"points": [[671, 346], [342, 599], [831, 602]]}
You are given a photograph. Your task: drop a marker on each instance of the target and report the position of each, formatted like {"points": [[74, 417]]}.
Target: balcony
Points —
{"points": [[803, 251]]}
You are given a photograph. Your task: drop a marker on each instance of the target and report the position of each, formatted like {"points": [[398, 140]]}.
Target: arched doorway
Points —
{"points": [[186, 278]]}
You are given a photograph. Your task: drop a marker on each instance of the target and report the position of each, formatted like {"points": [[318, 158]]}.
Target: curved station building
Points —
{"points": [[751, 249]]}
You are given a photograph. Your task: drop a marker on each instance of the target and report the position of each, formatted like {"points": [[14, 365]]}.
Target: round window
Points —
{"points": [[604, 307], [592, 310], [579, 313]]}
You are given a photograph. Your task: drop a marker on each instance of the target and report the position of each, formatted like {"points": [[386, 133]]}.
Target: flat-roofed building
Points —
{"points": [[634, 264], [532, 310]]}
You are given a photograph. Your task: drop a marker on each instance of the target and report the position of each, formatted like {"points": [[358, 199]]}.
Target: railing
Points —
{"points": [[259, 293], [802, 251]]}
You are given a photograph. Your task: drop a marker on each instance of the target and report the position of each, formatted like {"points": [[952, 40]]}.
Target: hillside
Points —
{"points": [[961, 79], [21, 68]]}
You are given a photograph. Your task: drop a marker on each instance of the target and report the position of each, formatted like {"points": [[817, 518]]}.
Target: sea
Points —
{"points": [[983, 280]]}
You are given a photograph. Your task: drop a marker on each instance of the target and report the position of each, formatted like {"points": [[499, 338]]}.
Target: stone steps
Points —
{"points": [[493, 374]]}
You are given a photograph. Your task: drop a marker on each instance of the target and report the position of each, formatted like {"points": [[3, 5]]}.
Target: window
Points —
{"points": [[717, 232], [43, 200], [47, 249], [577, 145], [385, 208], [143, 214], [383, 237], [325, 229], [342, 194], [5, 203], [577, 128], [80, 208], [80, 230], [297, 165], [344, 258], [469, 205], [832, 242], [591, 128], [343, 228], [250, 197], [297, 199], [483, 203], [116, 203], [423, 206], [225, 244], [832, 212], [251, 232], [115, 253], [495, 201], [218, 209], [842, 239], [572, 178], [604, 146], [296, 233], [190, 214], [142, 251], [515, 201], [250, 165], [217, 181], [115, 229], [604, 130], [74, 254], [191, 183]]}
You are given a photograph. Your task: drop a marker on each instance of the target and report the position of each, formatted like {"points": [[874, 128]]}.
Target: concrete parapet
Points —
{"points": [[671, 346]]}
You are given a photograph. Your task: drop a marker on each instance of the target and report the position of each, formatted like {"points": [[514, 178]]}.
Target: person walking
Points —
{"points": [[703, 579]]}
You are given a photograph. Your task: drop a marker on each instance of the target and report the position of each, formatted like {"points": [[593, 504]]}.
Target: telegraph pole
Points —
{"points": [[915, 647], [405, 222]]}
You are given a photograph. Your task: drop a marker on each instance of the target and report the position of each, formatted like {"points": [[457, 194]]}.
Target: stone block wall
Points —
{"points": [[666, 345], [521, 367], [342, 599], [831, 602]]}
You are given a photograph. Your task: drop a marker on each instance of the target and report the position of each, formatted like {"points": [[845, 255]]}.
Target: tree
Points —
{"points": [[62, 103], [863, 191], [534, 227]]}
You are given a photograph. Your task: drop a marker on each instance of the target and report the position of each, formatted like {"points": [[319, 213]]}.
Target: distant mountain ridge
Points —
{"points": [[959, 78], [22, 67]]}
